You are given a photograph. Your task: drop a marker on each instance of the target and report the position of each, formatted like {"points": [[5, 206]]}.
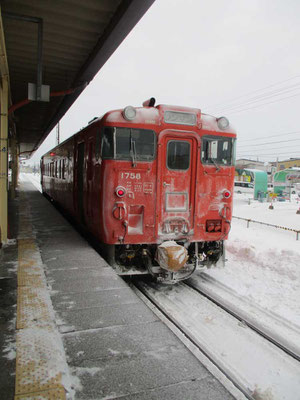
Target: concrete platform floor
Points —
{"points": [[116, 347]]}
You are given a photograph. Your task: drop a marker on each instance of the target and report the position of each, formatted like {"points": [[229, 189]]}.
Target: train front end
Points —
{"points": [[167, 183]]}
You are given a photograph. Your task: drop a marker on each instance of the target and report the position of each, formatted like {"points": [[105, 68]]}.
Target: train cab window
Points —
{"points": [[128, 144], [218, 150], [178, 155]]}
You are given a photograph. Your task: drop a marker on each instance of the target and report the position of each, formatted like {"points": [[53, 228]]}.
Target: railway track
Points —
{"points": [[275, 329], [247, 357]]}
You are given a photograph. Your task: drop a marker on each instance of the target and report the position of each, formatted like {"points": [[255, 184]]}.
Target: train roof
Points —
{"points": [[155, 116]]}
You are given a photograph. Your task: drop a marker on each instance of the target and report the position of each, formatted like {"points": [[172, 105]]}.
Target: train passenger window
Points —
{"points": [[178, 155], [128, 144], [90, 162], [218, 150], [63, 169]]}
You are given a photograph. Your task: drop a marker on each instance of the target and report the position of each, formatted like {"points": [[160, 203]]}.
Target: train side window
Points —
{"points": [[107, 143], [63, 169], [90, 162], [97, 145], [178, 155]]}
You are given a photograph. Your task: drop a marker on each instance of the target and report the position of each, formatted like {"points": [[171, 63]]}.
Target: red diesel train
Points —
{"points": [[152, 184]]}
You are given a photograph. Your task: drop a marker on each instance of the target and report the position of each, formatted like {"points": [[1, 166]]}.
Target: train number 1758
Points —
{"points": [[130, 175]]}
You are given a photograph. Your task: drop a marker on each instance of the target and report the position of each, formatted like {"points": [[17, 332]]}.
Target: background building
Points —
{"points": [[290, 163]]}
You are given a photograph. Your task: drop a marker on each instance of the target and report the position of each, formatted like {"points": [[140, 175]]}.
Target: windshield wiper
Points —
{"points": [[215, 164], [133, 152]]}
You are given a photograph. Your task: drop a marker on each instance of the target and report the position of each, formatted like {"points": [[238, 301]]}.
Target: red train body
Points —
{"points": [[139, 177]]}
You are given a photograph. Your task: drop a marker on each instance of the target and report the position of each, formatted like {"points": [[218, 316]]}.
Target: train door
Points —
{"points": [[80, 182], [177, 166]]}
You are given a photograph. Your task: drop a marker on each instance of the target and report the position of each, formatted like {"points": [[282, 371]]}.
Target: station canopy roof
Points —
{"points": [[77, 39]]}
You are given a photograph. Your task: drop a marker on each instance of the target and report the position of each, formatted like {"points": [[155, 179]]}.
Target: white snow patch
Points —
{"points": [[9, 351], [264, 262]]}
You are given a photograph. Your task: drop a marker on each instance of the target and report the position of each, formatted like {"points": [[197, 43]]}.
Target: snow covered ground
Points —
{"points": [[264, 262]]}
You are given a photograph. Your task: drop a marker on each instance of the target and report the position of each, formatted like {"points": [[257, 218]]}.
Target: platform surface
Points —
{"points": [[115, 346]]}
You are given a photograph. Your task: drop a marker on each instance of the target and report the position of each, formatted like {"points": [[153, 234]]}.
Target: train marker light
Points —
{"points": [[213, 225], [223, 123], [120, 191], [226, 194], [129, 113], [52, 154]]}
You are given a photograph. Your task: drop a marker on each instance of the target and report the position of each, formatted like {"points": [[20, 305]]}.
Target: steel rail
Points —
{"points": [[244, 320], [138, 288]]}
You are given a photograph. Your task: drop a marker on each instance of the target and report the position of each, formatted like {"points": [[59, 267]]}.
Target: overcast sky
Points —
{"points": [[237, 58]]}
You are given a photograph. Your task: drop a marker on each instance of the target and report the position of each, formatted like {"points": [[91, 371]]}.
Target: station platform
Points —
{"points": [[71, 328]]}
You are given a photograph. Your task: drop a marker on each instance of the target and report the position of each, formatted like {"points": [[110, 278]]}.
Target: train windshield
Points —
{"points": [[218, 150], [128, 144]]}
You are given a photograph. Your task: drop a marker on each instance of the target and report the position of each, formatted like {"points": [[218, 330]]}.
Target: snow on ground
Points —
{"points": [[35, 179], [264, 262]]}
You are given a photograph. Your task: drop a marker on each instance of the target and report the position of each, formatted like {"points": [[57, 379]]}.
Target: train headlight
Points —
{"points": [[223, 123], [129, 113], [226, 194], [120, 191]]}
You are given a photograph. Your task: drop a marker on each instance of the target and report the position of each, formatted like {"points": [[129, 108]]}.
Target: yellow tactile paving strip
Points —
{"points": [[52, 394], [32, 307], [37, 377]]}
